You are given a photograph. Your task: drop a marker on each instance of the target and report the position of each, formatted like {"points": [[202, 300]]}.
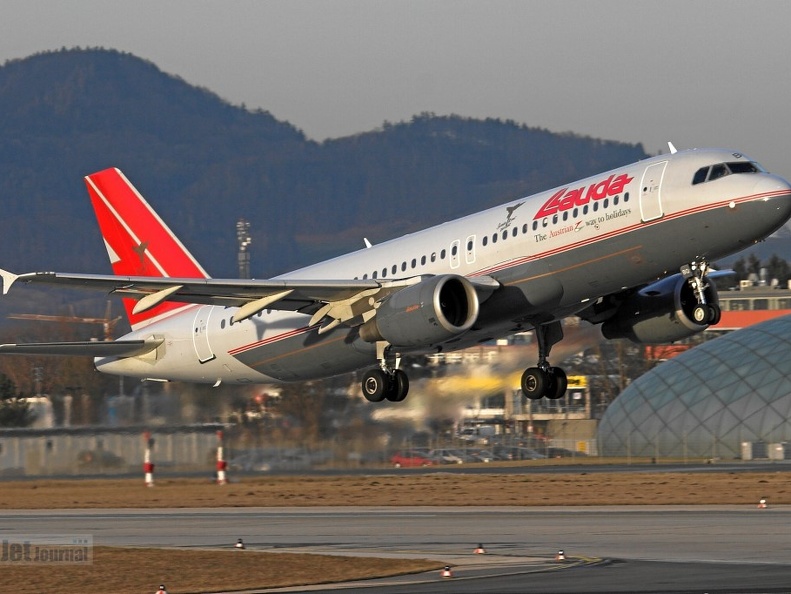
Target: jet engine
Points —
{"points": [[663, 312], [430, 312]]}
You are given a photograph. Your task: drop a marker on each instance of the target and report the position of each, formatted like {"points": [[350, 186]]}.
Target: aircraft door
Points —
{"points": [[651, 192], [470, 252], [454, 253], [200, 334]]}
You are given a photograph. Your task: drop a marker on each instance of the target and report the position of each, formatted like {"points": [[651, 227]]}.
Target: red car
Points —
{"points": [[408, 458]]}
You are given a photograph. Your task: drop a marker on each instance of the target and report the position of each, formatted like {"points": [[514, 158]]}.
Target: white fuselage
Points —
{"points": [[554, 253]]}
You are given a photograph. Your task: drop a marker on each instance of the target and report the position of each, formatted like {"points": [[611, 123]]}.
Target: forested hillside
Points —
{"points": [[203, 163]]}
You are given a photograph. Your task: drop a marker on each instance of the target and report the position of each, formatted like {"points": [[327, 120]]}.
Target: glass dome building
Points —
{"points": [[708, 400]]}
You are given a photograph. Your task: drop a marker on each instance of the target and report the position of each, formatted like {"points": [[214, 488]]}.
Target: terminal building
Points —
{"points": [[729, 397]]}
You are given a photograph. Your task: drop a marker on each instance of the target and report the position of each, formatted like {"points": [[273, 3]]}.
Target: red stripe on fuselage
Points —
{"points": [[553, 252]]}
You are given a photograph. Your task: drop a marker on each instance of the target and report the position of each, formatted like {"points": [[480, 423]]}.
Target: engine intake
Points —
{"points": [[659, 313], [430, 312]]}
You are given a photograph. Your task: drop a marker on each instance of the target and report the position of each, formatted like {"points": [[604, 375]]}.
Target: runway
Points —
{"points": [[628, 549]]}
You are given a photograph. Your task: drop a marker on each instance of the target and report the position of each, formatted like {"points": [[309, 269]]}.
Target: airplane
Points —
{"points": [[628, 249]]}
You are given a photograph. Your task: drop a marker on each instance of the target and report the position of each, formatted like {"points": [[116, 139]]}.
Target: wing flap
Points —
{"points": [[118, 348], [297, 294]]}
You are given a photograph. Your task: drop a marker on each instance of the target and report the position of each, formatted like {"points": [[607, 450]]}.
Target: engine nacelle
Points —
{"points": [[430, 312], [659, 313]]}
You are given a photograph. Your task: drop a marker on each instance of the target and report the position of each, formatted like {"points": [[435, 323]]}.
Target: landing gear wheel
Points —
{"points": [[375, 385], [534, 383], [560, 381], [399, 386], [707, 314]]}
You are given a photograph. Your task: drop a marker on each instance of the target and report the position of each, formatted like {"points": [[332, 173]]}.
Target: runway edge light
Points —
{"points": [[560, 556]]}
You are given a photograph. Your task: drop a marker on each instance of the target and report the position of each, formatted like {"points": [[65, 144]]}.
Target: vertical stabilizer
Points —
{"points": [[138, 242]]}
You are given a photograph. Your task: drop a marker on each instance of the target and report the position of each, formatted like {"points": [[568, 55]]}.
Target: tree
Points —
{"points": [[14, 411]]}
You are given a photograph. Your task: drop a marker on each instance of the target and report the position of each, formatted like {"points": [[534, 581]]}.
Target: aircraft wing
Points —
{"points": [[342, 301], [91, 348]]}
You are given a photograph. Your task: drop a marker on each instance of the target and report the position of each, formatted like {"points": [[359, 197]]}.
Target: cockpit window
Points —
{"points": [[700, 175], [719, 170]]}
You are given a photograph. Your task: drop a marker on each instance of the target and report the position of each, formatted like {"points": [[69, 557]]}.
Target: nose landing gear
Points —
{"points": [[704, 312]]}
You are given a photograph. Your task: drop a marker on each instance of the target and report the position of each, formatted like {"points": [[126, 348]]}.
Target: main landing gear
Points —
{"points": [[544, 381], [704, 312], [385, 382]]}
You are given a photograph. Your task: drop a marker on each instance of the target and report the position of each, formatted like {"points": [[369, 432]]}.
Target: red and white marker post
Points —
{"points": [[222, 465], [148, 465]]}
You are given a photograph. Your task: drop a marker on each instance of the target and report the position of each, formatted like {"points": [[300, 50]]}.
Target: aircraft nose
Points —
{"points": [[772, 186], [776, 191]]}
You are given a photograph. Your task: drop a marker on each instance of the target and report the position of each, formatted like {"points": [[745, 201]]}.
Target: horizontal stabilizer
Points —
{"points": [[91, 348]]}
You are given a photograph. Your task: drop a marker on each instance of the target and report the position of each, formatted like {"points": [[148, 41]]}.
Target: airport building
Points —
{"points": [[729, 397]]}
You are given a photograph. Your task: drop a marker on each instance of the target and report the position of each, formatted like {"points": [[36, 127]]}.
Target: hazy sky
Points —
{"points": [[699, 73]]}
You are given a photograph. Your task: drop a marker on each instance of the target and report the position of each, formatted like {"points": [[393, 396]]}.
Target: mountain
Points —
{"points": [[204, 163]]}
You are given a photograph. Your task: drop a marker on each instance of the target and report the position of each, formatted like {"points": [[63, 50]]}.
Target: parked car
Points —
{"points": [[482, 455], [442, 456], [410, 458], [517, 453], [553, 452]]}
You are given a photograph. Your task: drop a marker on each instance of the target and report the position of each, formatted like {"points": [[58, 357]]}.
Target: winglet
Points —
{"points": [[8, 280], [672, 147]]}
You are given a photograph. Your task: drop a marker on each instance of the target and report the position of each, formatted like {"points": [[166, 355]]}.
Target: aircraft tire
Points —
{"points": [[715, 314], [375, 385], [534, 383], [399, 386], [560, 383]]}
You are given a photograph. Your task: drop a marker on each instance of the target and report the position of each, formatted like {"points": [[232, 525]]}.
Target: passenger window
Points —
{"points": [[422, 260], [515, 231], [524, 229], [505, 235], [414, 263], [403, 266], [494, 238], [374, 275], [394, 269], [433, 256], [485, 240], [442, 255], [384, 272]]}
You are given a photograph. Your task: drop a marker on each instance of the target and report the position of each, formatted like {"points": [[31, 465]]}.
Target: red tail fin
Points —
{"points": [[138, 242]]}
